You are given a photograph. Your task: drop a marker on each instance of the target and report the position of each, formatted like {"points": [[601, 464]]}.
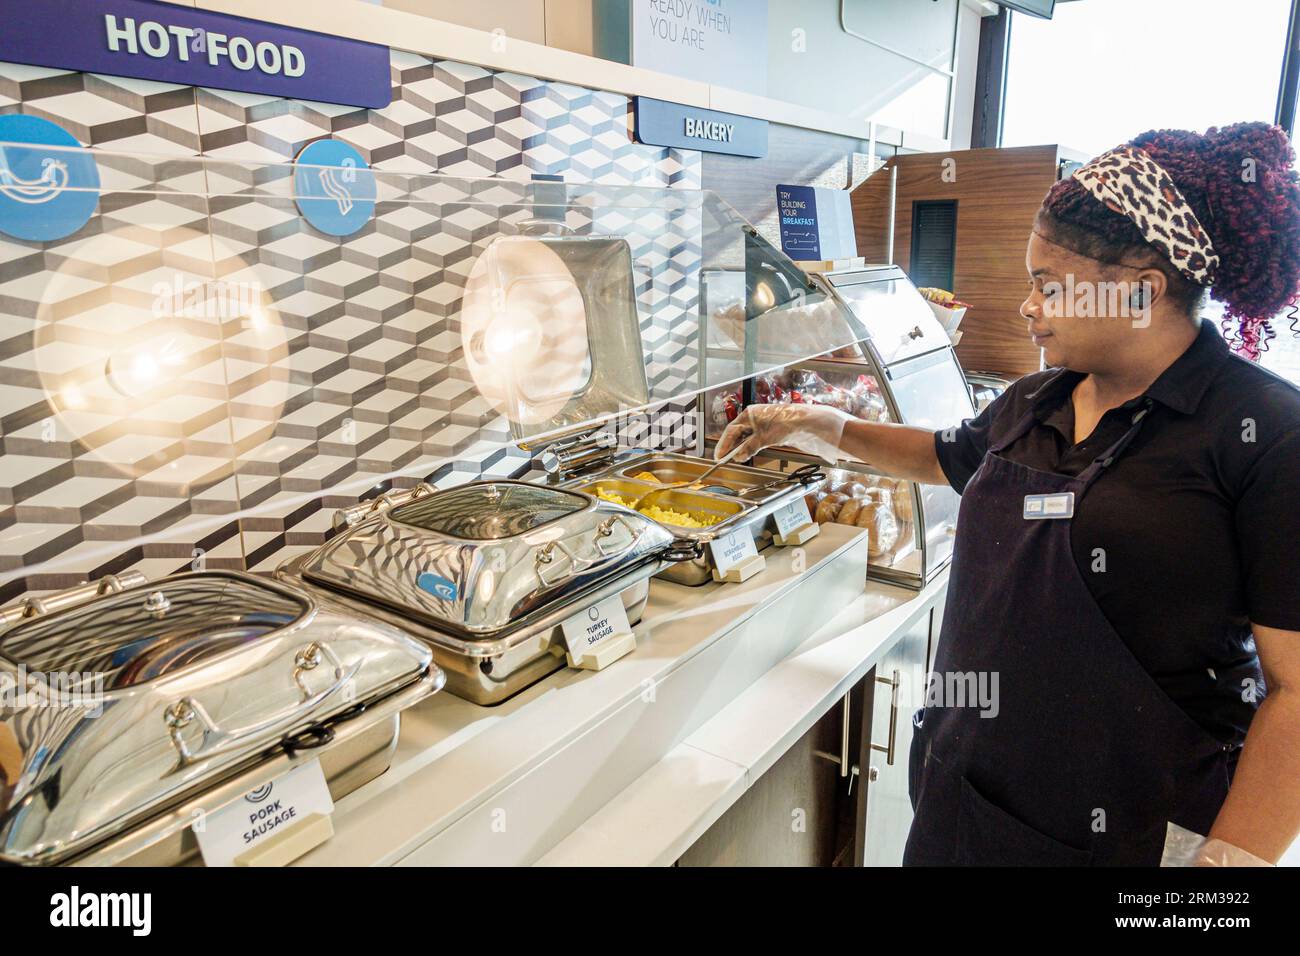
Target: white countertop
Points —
{"points": [[710, 697], [656, 818]]}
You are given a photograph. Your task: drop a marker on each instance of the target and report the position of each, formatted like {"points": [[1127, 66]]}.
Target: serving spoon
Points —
{"points": [[695, 482]]}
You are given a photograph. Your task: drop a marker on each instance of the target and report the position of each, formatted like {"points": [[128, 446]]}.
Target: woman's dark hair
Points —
{"points": [[1242, 184]]}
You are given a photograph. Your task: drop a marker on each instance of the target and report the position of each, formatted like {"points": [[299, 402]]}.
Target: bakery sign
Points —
{"points": [[660, 123], [179, 44]]}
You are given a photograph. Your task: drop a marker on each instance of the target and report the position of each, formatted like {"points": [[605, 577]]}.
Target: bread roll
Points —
{"points": [[902, 498], [829, 507], [849, 511], [877, 516], [851, 488]]}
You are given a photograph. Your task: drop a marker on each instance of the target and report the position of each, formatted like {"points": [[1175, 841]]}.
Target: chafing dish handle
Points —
{"points": [[683, 550], [606, 528], [549, 573], [60, 600], [215, 740], [345, 518]]}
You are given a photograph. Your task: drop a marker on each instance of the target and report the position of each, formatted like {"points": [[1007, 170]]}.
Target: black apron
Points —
{"points": [[1086, 759]]}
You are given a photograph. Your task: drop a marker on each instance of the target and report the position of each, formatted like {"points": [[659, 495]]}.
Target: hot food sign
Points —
{"points": [[177, 44]]}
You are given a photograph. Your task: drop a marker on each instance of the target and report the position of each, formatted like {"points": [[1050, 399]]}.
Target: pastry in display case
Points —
{"points": [[881, 505]]}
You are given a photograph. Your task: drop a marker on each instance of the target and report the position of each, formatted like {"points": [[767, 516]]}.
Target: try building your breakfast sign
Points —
{"points": [[715, 41], [177, 44], [816, 223]]}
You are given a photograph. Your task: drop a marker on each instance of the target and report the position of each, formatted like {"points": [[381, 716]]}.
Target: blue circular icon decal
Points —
{"points": [[44, 193], [437, 585], [335, 187], [260, 794]]}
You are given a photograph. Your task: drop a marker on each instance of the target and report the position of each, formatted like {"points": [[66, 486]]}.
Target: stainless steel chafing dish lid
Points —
{"points": [[115, 707], [487, 556], [568, 306]]}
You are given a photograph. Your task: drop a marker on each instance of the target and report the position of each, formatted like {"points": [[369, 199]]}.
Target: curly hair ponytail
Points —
{"points": [[1241, 182]]}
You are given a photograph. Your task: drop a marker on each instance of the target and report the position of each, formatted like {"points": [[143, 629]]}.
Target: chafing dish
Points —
{"points": [[744, 499], [487, 572], [130, 705]]}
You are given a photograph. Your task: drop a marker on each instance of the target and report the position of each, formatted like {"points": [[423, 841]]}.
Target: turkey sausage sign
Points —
{"points": [[175, 44]]}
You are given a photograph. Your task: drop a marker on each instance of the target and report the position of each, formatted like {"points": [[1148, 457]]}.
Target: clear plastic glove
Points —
{"points": [[813, 429], [1185, 848]]}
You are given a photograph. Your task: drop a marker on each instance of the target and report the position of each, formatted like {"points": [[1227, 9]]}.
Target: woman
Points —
{"points": [[1128, 547]]}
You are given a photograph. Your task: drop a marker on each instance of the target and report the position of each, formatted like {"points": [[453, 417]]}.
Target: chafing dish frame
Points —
{"points": [[491, 666], [355, 745], [754, 518], [352, 752], [487, 671]]}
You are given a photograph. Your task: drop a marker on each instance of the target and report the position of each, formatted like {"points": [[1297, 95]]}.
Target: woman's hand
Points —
{"points": [[813, 429]]}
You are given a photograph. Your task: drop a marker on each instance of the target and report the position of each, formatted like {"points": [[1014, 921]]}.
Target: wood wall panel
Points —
{"points": [[998, 192]]}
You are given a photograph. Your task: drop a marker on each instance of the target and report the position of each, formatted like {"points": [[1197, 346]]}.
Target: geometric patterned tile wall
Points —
{"points": [[356, 384]]}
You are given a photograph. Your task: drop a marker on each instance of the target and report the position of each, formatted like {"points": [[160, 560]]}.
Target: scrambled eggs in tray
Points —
{"points": [[669, 516]]}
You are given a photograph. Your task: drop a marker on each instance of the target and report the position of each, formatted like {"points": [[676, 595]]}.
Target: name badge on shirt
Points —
{"points": [[1049, 506]]}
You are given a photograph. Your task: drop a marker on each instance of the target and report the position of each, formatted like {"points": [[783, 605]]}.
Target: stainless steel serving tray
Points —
{"points": [[489, 670], [486, 573], [152, 693], [752, 495], [486, 558]]}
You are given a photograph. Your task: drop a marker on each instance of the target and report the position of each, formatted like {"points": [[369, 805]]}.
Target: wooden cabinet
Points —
{"points": [[814, 808], [799, 813]]}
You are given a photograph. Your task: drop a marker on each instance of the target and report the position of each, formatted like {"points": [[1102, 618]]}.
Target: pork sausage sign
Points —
{"points": [[176, 44]]}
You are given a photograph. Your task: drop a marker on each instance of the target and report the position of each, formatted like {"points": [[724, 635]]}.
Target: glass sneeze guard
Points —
{"points": [[561, 305]]}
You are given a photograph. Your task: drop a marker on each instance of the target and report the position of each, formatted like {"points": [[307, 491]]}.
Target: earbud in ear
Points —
{"points": [[1137, 300]]}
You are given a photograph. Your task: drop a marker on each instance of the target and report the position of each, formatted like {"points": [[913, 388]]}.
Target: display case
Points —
{"points": [[901, 369], [985, 388], [864, 340]]}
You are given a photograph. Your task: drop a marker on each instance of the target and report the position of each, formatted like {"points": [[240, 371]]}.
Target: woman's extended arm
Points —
{"points": [[901, 451], [1262, 812]]}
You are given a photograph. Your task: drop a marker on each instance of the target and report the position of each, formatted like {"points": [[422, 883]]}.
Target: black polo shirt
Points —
{"points": [[1198, 522]]}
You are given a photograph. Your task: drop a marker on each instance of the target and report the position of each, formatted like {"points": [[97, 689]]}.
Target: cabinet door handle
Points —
{"points": [[888, 750], [843, 759], [844, 741]]}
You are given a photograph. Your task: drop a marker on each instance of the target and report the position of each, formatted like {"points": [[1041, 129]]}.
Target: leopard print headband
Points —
{"points": [[1133, 184]]}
